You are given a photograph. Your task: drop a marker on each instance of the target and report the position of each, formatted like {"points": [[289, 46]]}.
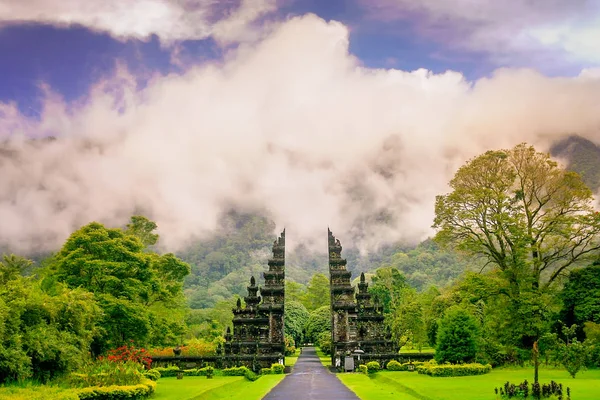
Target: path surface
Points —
{"points": [[310, 380]]}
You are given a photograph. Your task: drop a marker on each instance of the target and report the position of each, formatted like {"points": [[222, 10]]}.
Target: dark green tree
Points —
{"points": [[317, 293], [319, 321], [296, 318], [457, 337]]}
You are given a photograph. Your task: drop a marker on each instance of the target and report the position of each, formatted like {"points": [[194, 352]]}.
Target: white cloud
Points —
{"points": [[504, 29], [171, 20], [292, 124]]}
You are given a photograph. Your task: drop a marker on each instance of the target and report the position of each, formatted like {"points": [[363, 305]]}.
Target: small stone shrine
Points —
{"points": [[257, 340], [357, 322]]}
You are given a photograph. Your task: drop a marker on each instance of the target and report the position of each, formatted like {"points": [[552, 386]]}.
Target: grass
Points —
{"points": [[220, 387], [325, 359], [291, 360], [411, 386], [34, 391]]}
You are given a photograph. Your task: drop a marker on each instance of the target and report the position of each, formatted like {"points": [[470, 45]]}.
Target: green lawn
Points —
{"points": [[291, 360], [325, 359], [410, 385], [220, 387]]}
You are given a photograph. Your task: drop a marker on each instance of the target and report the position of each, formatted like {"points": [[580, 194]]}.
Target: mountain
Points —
{"points": [[582, 156]]}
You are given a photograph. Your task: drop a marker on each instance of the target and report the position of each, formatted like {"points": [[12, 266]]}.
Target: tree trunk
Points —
{"points": [[536, 361]]}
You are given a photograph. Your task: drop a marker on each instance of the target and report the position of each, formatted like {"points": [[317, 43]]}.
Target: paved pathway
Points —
{"points": [[310, 380]]}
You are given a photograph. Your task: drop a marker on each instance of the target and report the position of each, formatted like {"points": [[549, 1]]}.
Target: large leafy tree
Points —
{"points": [[517, 208], [530, 219], [317, 293], [457, 337], [140, 292], [296, 318]]}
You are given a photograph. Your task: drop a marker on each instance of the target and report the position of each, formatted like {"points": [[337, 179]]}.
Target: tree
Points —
{"points": [[526, 216], [572, 352], [12, 266], [406, 320], [522, 212], [317, 293], [581, 297], [387, 287], [140, 292], [319, 321], [294, 291], [296, 318], [457, 337], [142, 228]]}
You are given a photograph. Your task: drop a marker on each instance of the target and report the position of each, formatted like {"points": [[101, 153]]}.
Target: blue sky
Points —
{"points": [[38, 46]]}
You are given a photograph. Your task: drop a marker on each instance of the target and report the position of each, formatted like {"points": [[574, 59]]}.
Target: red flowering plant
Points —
{"points": [[127, 353]]}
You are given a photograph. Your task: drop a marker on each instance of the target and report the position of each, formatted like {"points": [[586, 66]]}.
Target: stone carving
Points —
{"points": [[257, 340], [357, 323]]}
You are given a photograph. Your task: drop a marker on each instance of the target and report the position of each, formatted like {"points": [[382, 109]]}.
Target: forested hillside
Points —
{"points": [[583, 157]]}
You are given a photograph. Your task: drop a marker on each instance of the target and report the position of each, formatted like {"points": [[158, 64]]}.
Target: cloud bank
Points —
{"points": [[544, 29], [171, 20], [293, 125]]}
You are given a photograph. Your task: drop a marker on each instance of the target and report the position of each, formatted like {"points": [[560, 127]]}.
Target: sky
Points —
{"points": [[347, 113]]}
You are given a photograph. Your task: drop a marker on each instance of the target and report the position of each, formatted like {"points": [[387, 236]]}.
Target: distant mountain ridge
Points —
{"points": [[582, 156]]}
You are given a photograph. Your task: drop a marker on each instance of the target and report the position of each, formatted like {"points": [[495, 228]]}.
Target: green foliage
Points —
{"points": [[42, 335], [166, 372], [138, 291], [324, 342], [573, 354], [37, 392], [394, 365], [319, 321], [317, 293], [277, 369], [106, 373], [445, 370], [536, 391], [296, 318], [457, 337], [235, 371], [406, 319], [130, 392], [266, 371], [362, 368], [581, 296], [152, 374], [251, 376], [373, 367]]}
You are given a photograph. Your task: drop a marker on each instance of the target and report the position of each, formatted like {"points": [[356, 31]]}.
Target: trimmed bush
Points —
{"points": [[373, 367], [265, 371], [132, 392], [394, 366], [277, 369], [152, 374], [166, 372], [362, 368], [235, 371], [445, 370], [251, 376], [40, 392]]}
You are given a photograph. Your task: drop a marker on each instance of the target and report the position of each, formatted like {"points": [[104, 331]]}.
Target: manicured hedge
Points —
{"points": [[41, 392], [277, 368], [372, 367], [173, 370], [362, 368], [396, 366], [234, 371], [266, 371], [132, 392], [444, 370], [152, 374]]}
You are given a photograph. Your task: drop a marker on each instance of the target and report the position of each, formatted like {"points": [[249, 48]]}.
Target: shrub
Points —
{"points": [[445, 370], [522, 391], [362, 368], [277, 368], [195, 347], [457, 337], [37, 392], [373, 367], [129, 353], [166, 372], [235, 371], [106, 373], [131, 392], [394, 366], [265, 371], [152, 374], [251, 376]]}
